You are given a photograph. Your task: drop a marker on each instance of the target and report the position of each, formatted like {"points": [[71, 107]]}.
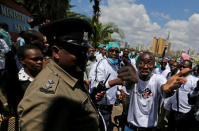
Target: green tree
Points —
{"points": [[102, 32], [51, 9], [96, 8]]}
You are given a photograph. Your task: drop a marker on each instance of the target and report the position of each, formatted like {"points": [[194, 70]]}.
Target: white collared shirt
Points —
{"points": [[100, 72], [23, 76], [184, 90]]}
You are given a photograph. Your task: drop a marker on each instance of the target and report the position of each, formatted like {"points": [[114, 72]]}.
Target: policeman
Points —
{"points": [[62, 76]]}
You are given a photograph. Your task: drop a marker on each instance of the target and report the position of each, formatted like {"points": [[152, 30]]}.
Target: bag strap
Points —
{"points": [[177, 99], [96, 69]]}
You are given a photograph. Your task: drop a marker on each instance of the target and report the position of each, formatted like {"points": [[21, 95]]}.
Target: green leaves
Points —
{"points": [[103, 32]]}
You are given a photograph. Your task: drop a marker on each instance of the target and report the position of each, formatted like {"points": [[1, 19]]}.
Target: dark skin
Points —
{"points": [[103, 51], [145, 68], [32, 62], [67, 61], [145, 65], [174, 68], [126, 52], [175, 81], [171, 61], [163, 65], [113, 53], [92, 51], [127, 73], [186, 64], [195, 71]]}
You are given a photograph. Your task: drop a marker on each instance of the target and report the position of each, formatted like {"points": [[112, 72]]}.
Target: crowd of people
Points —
{"points": [[52, 79]]}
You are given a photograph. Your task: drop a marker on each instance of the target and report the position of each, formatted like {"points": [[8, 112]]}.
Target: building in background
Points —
{"points": [[123, 44], [159, 44], [15, 16], [143, 47]]}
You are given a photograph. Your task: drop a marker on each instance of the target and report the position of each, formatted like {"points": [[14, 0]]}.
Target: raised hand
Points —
{"points": [[128, 73], [176, 80]]}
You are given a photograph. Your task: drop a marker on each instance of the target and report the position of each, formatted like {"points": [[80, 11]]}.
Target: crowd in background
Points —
{"points": [[144, 105]]}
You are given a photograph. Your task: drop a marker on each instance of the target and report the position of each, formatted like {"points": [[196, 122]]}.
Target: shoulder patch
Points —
{"points": [[50, 86]]}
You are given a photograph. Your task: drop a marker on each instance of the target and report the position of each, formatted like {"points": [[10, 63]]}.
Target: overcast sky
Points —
{"points": [[141, 20]]}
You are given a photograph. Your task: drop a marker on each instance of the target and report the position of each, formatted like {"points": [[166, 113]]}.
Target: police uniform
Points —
{"points": [[50, 83]]}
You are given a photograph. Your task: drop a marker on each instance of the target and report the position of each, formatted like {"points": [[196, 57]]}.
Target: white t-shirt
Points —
{"points": [[145, 99], [161, 72], [184, 90], [133, 62], [168, 100], [168, 67]]}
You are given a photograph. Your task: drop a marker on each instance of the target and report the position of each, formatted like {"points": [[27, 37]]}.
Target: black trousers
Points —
{"points": [[182, 121], [106, 111]]}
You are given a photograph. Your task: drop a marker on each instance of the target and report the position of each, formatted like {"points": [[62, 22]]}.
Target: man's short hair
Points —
{"points": [[21, 50], [30, 35], [4, 26], [144, 53]]}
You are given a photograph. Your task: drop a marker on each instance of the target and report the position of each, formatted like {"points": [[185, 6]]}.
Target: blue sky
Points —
{"points": [[176, 9], [149, 18]]}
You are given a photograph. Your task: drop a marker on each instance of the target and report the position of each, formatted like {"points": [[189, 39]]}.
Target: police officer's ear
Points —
{"points": [[55, 52]]}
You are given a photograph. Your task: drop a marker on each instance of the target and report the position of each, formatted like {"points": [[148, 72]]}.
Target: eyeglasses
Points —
{"points": [[149, 64], [37, 59], [112, 50]]}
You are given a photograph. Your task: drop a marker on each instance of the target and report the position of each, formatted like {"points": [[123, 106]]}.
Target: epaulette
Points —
{"points": [[50, 85]]}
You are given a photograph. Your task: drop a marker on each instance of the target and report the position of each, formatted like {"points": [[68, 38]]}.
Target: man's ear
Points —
{"points": [[55, 53]]}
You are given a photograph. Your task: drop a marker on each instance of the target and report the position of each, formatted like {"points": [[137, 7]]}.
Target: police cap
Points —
{"points": [[67, 30]]}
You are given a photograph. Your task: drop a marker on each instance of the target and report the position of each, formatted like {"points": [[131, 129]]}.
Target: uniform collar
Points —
{"points": [[57, 70]]}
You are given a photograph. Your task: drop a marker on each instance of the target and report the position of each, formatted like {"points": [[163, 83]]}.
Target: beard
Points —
{"points": [[163, 68], [92, 57]]}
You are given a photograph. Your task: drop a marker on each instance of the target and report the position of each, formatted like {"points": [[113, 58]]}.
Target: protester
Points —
{"points": [[147, 94], [162, 70], [108, 69], [5, 34], [196, 71], [165, 119], [124, 56], [181, 110], [170, 61], [91, 62], [102, 52]]}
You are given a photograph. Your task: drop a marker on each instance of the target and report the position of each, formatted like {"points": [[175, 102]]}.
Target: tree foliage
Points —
{"points": [[102, 32], [58, 9], [96, 8], [50, 9]]}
